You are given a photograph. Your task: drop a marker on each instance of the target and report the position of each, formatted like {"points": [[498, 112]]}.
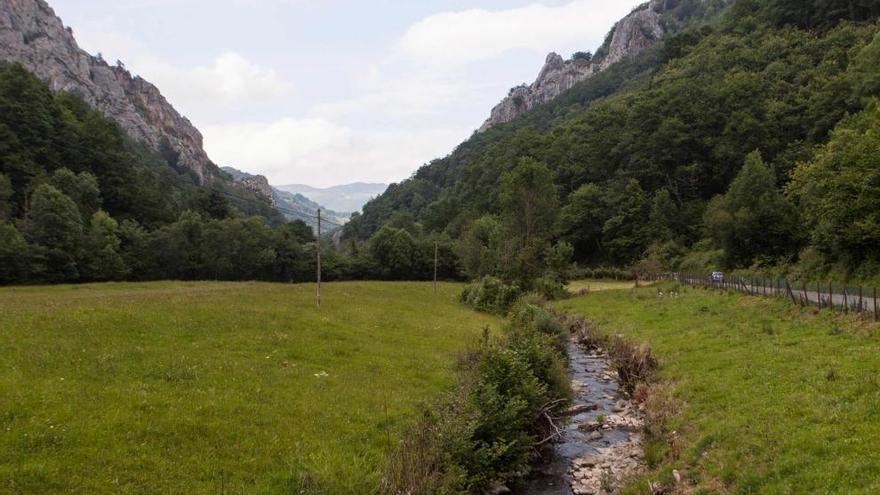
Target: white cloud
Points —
{"points": [[455, 38], [230, 83], [376, 118], [322, 153]]}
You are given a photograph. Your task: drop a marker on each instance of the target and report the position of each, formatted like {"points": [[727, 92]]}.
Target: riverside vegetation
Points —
{"points": [[753, 395]]}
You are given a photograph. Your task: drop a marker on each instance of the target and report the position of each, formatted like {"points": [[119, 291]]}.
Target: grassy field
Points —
{"points": [[576, 286], [776, 399], [217, 387]]}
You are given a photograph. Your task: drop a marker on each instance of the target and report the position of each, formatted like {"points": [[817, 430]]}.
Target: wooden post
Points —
{"points": [[819, 295], [831, 296], [845, 300], [806, 296], [790, 293], [436, 249], [318, 253], [861, 300]]}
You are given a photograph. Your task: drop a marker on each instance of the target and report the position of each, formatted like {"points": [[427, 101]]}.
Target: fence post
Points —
{"points": [[876, 314], [861, 300], [790, 293], [819, 295], [845, 300], [806, 296], [831, 296]]}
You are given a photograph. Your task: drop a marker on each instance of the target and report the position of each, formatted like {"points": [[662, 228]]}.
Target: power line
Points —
{"points": [[282, 209]]}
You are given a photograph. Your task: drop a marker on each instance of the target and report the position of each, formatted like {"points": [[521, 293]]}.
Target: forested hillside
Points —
{"points": [[747, 139], [80, 201]]}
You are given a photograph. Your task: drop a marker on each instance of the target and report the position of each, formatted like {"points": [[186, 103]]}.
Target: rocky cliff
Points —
{"points": [[31, 34], [639, 30]]}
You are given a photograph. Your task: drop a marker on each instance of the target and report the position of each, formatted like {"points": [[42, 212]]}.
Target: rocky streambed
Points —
{"points": [[601, 445]]}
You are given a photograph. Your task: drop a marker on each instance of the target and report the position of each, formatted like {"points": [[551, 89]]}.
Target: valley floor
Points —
{"points": [[218, 387], [770, 398]]}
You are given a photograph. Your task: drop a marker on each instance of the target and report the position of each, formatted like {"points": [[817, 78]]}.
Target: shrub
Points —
{"points": [[634, 363], [550, 287], [490, 295], [488, 431]]}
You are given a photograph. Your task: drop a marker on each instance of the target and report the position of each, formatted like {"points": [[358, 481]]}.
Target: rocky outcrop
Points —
{"points": [[32, 35], [634, 33], [258, 184]]}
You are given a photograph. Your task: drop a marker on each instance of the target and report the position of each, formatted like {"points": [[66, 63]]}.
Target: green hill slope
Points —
{"points": [[638, 152]]}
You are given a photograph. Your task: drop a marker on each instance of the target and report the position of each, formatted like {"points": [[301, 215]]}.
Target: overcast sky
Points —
{"points": [[325, 92]]}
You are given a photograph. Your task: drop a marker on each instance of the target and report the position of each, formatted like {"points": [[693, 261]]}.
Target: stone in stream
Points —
{"points": [[596, 435], [580, 408]]}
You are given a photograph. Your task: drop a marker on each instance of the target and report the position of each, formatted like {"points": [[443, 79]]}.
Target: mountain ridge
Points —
{"points": [[346, 198], [33, 35], [642, 28], [292, 205]]}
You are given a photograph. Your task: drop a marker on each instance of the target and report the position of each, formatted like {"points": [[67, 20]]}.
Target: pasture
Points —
{"points": [[769, 397], [218, 387]]}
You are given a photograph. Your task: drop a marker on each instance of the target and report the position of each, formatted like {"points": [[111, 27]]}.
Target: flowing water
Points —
{"points": [[595, 389]]}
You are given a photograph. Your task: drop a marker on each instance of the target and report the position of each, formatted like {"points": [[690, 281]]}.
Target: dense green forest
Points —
{"points": [[746, 140], [79, 201]]}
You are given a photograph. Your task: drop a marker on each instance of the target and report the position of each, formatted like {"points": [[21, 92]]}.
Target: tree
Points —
{"points": [[625, 234], [102, 259], [581, 222], [292, 263], [753, 219], [480, 247], [839, 192], [5, 199], [394, 250], [558, 259], [54, 223], [663, 216], [14, 254], [82, 188], [529, 203]]}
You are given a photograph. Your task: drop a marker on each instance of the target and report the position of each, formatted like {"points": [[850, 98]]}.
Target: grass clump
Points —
{"points": [[489, 430]]}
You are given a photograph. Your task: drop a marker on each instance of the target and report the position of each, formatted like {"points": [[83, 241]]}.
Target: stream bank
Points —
{"points": [[601, 446]]}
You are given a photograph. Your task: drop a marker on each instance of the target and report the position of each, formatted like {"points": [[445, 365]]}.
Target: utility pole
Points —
{"points": [[436, 248], [318, 252]]}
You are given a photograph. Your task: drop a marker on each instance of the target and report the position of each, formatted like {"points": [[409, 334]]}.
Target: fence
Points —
{"points": [[845, 298]]}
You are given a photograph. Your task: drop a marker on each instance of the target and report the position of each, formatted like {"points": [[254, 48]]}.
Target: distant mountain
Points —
{"points": [[346, 197], [293, 206]]}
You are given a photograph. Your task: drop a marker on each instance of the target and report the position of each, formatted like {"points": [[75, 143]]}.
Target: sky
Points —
{"points": [[326, 92]]}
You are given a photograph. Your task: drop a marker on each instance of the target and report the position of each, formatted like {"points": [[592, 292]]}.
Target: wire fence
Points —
{"points": [[855, 299]]}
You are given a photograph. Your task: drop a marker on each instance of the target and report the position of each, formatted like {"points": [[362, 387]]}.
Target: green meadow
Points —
{"points": [[770, 398], [218, 387]]}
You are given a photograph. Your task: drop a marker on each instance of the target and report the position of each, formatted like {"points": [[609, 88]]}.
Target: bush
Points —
{"points": [[490, 295], [550, 287], [488, 431], [634, 363]]}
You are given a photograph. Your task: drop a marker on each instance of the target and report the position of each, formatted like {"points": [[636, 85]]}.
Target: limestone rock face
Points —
{"points": [[637, 31], [32, 35], [258, 184]]}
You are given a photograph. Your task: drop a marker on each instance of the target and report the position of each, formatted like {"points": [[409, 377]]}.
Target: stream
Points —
{"points": [[591, 457]]}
